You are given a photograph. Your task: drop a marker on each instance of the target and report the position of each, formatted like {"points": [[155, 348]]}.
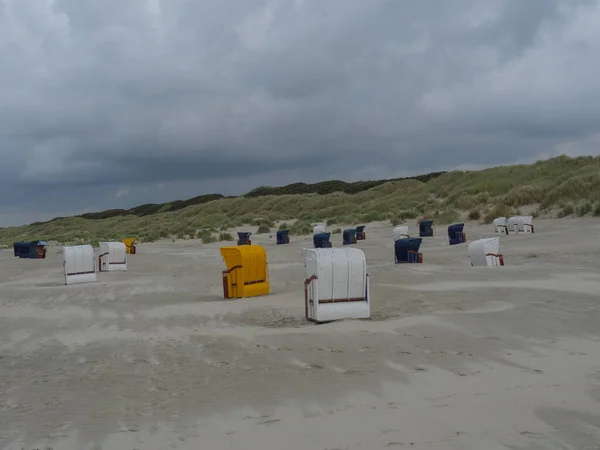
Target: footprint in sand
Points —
{"points": [[268, 422], [532, 434], [316, 366]]}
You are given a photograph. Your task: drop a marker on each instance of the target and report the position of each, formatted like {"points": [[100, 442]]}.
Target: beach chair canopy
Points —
{"points": [[21, 249], [513, 224], [425, 228], [360, 232], [349, 236], [520, 224], [526, 224], [456, 228], [113, 256], [130, 245], [79, 264], [455, 235], [400, 232], [403, 246], [484, 252], [283, 236], [336, 285], [247, 273], [500, 221], [321, 240], [319, 229], [29, 249]]}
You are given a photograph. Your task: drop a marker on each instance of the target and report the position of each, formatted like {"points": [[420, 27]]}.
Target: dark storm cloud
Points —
{"points": [[112, 103]]}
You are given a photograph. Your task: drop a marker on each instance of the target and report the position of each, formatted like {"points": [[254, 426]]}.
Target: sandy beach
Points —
{"points": [[453, 357]]}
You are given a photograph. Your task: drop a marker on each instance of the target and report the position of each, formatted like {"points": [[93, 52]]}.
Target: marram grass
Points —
{"points": [[560, 186]]}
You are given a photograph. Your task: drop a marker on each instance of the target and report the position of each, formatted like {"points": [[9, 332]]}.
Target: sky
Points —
{"points": [[113, 103]]}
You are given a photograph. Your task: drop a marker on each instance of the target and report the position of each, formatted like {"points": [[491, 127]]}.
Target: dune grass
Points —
{"points": [[561, 186]]}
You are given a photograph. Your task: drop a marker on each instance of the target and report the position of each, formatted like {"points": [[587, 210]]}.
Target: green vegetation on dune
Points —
{"points": [[154, 208], [570, 186], [329, 187]]}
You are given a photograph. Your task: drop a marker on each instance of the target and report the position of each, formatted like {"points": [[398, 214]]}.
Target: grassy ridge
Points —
{"points": [[321, 188], [329, 187], [560, 186], [145, 210]]}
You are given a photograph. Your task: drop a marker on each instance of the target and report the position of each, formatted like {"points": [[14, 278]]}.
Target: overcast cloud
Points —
{"points": [[114, 103]]}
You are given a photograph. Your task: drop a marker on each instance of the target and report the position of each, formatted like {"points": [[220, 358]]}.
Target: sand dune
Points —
{"points": [[454, 357]]}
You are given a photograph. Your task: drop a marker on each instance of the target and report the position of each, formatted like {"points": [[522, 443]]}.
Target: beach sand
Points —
{"points": [[453, 358]]}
